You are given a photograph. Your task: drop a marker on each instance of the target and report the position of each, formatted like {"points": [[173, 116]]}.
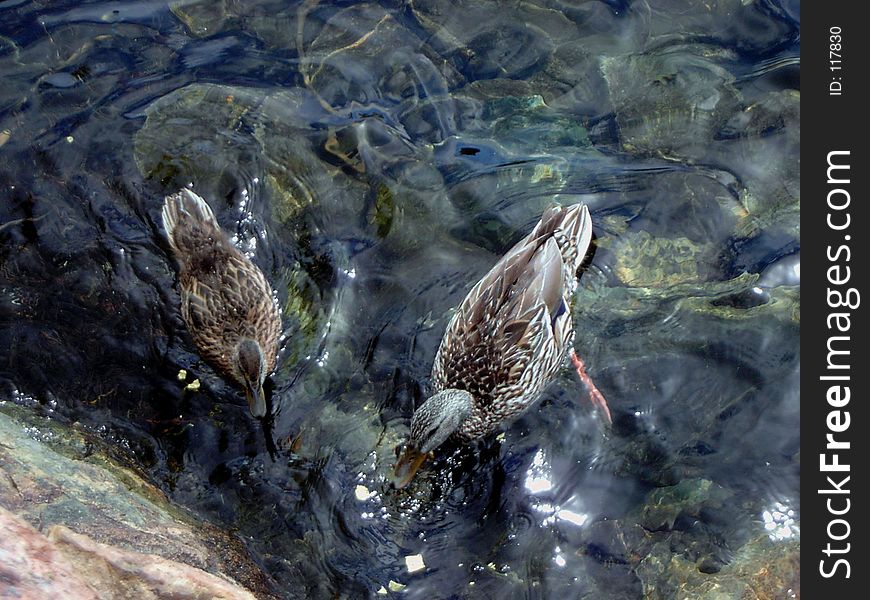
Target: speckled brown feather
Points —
{"points": [[224, 296], [510, 334]]}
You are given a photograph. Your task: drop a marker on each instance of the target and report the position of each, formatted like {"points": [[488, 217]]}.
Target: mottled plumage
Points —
{"points": [[226, 302], [508, 337]]}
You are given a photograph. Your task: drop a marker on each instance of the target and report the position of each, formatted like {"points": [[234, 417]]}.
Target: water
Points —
{"points": [[375, 160]]}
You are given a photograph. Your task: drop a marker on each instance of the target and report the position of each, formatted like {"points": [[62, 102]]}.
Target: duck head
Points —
{"points": [[433, 422], [251, 372]]}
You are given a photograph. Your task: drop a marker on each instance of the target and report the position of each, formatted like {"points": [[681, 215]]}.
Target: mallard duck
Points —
{"points": [[507, 340], [226, 302]]}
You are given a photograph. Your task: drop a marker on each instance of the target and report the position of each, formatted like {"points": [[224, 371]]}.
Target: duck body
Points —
{"points": [[507, 339], [226, 302], [510, 335]]}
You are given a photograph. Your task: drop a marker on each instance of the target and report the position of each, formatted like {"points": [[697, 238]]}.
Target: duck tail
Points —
{"points": [[574, 234], [572, 229], [186, 216]]}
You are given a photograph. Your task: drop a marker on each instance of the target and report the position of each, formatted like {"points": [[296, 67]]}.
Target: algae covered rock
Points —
{"points": [[198, 134], [687, 498], [644, 261], [678, 546], [201, 18], [762, 569]]}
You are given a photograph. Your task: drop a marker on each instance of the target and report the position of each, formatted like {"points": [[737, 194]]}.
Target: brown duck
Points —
{"points": [[507, 340], [226, 302]]}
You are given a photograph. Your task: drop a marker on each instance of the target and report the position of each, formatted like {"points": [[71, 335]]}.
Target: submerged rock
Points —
{"points": [[363, 54], [670, 103], [762, 569], [665, 505], [645, 261], [687, 542], [201, 18]]}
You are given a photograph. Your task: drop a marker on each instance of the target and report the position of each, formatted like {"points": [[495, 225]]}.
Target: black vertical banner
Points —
{"points": [[834, 421]]}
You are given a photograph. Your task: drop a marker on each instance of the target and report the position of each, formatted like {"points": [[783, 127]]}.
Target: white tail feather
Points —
{"points": [[186, 204]]}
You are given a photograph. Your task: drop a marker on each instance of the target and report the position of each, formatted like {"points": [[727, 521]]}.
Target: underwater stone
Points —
{"points": [[762, 569], [688, 497], [646, 261], [202, 18], [191, 135], [671, 103], [363, 54]]}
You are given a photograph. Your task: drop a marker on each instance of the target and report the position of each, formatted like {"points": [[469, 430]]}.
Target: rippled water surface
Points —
{"points": [[375, 159]]}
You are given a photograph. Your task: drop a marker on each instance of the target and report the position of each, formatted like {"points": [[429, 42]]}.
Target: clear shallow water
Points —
{"points": [[375, 160]]}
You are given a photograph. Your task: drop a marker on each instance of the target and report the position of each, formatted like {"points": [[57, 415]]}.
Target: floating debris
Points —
{"points": [[362, 493], [414, 563]]}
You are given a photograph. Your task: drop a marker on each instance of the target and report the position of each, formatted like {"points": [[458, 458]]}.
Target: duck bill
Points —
{"points": [[256, 400], [408, 465]]}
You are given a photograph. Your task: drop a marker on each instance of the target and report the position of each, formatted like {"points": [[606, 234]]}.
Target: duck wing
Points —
{"points": [[510, 333], [230, 301]]}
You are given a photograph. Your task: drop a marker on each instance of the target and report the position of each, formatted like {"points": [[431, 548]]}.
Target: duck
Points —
{"points": [[227, 304], [506, 341]]}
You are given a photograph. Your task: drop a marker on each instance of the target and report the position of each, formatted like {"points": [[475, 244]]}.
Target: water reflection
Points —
{"points": [[779, 522], [538, 478]]}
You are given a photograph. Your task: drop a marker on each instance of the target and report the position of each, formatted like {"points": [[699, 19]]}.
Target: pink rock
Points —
{"points": [[125, 574], [31, 566], [72, 566]]}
